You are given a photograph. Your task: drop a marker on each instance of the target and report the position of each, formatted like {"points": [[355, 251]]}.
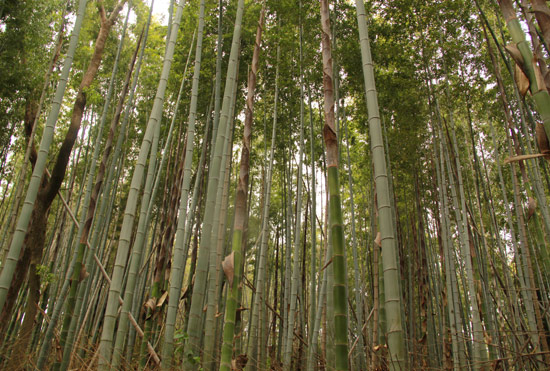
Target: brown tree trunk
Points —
{"points": [[31, 110], [33, 258]]}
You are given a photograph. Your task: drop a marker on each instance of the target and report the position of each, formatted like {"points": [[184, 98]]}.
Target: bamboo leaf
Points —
{"points": [[514, 52], [522, 81], [83, 273], [150, 304], [162, 299], [228, 267], [378, 240]]}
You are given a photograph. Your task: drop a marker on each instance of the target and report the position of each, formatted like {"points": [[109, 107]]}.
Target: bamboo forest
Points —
{"points": [[274, 185]]}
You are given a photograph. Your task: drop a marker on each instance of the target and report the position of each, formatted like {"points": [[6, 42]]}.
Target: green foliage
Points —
{"points": [[27, 29], [431, 62], [45, 274]]}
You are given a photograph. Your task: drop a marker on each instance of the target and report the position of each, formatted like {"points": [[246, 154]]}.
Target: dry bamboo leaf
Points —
{"points": [[378, 240], [83, 274], [162, 299], [542, 140], [522, 157], [514, 52], [531, 206], [543, 143], [150, 304], [522, 81], [228, 266]]}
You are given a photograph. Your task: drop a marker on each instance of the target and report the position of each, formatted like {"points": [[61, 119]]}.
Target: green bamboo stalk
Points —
{"points": [[201, 273], [311, 362], [197, 190], [479, 348], [218, 231], [222, 249], [358, 289], [103, 216], [87, 215], [176, 274], [446, 259], [131, 300], [287, 353], [510, 293], [525, 271], [134, 265], [396, 343], [313, 337], [536, 81], [288, 239], [219, 59], [260, 272], [335, 208], [240, 211], [136, 257], [111, 312]]}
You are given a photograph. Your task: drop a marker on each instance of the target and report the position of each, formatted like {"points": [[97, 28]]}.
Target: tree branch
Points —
{"points": [[116, 10], [101, 10]]}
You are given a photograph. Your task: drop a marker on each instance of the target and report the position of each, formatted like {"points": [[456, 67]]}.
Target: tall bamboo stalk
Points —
{"points": [[396, 343], [115, 288], [335, 213], [176, 273], [201, 274]]}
